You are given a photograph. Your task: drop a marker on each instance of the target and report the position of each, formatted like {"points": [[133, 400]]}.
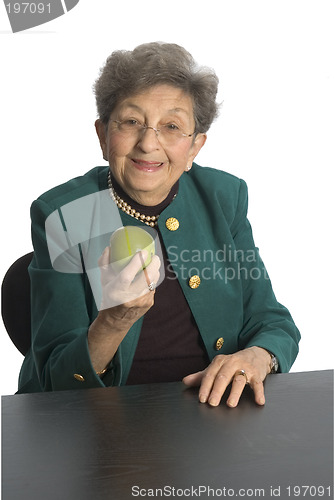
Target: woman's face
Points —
{"points": [[144, 165]]}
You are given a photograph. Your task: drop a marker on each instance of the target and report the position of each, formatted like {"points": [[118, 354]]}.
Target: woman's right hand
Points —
{"points": [[125, 298], [125, 295]]}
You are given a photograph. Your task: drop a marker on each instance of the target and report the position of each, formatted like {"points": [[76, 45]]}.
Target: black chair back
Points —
{"points": [[15, 303]]}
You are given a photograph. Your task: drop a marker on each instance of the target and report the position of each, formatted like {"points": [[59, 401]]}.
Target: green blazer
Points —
{"points": [[234, 301]]}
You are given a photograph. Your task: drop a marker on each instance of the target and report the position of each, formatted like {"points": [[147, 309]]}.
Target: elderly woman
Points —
{"points": [[213, 321]]}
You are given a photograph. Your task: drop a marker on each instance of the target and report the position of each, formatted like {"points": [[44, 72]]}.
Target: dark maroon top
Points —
{"points": [[170, 346]]}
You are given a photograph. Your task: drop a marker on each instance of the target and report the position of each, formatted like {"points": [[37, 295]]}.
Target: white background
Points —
{"points": [[275, 64]]}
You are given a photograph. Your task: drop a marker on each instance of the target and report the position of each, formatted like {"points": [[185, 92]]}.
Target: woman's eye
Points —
{"points": [[131, 122], [171, 127]]}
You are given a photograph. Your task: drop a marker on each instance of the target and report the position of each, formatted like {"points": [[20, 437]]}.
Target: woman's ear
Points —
{"points": [[197, 145], [101, 130]]}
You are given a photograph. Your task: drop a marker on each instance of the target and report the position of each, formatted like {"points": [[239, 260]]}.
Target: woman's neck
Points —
{"points": [[149, 207]]}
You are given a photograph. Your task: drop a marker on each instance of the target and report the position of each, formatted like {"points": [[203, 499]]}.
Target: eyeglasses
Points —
{"points": [[168, 134]]}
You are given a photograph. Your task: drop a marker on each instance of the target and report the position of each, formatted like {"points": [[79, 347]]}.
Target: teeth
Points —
{"points": [[144, 164]]}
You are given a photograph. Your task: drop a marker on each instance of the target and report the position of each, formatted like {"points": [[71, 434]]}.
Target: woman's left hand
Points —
{"points": [[250, 366]]}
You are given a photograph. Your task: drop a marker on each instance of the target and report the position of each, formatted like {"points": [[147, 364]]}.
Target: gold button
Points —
{"points": [[219, 343], [172, 224], [194, 281], [78, 377]]}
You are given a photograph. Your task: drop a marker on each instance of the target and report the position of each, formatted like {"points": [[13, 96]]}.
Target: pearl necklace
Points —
{"points": [[150, 220]]}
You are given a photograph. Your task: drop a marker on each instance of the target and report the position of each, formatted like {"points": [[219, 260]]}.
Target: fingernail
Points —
{"points": [[213, 402], [232, 403], [202, 398]]}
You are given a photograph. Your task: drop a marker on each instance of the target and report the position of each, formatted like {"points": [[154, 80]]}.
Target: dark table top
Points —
{"points": [[123, 443]]}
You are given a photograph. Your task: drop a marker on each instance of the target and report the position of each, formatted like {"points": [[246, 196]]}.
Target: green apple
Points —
{"points": [[125, 242]]}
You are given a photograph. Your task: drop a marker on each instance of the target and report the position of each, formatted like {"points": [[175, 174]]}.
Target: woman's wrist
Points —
{"points": [[272, 360], [265, 355], [104, 336], [106, 324]]}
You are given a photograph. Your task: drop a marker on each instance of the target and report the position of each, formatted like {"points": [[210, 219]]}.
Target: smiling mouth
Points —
{"points": [[148, 166]]}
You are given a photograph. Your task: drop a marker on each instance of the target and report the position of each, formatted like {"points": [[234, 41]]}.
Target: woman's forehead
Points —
{"points": [[166, 98]]}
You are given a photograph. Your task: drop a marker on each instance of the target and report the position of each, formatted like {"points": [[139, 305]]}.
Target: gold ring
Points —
{"points": [[243, 373]]}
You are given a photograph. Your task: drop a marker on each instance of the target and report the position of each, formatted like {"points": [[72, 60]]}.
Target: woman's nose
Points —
{"points": [[148, 140]]}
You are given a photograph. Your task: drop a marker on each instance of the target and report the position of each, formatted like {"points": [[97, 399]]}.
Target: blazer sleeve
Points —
{"points": [[266, 322], [61, 315]]}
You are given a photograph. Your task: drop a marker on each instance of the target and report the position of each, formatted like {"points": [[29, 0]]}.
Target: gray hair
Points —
{"points": [[129, 72]]}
